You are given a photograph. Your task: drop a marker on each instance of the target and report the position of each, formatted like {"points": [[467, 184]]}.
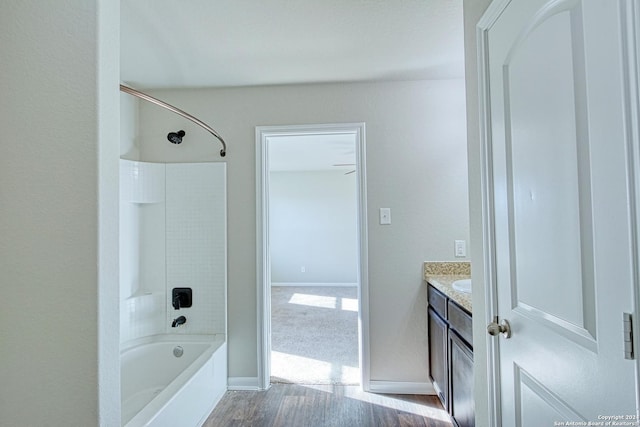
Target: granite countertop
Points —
{"points": [[443, 283], [442, 274]]}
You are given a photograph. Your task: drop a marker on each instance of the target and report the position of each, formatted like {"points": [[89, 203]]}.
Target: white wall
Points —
{"points": [[473, 10], [129, 106], [417, 166], [313, 223], [58, 213]]}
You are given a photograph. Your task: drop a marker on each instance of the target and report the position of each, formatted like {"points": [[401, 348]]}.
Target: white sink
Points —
{"points": [[463, 285]]}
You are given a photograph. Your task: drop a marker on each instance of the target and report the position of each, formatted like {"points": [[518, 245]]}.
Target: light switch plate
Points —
{"points": [[385, 216]]}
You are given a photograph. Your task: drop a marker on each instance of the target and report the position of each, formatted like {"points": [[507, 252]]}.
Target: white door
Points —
{"points": [[560, 198]]}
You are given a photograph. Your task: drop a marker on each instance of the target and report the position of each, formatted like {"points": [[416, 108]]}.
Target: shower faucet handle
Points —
{"points": [[181, 298]]}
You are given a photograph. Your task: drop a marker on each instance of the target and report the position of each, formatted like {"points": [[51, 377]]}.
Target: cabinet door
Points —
{"points": [[438, 366], [462, 406]]}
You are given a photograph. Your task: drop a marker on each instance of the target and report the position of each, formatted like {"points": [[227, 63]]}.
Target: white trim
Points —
{"points": [[263, 264], [311, 284], [485, 23], [364, 350], [262, 241], [630, 19], [243, 384], [401, 387]]}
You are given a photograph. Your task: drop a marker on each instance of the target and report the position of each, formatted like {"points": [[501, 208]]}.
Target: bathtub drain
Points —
{"points": [[178, 351]]}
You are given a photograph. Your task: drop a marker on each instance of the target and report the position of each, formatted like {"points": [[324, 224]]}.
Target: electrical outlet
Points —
{"points": [[303, 269], [460, 250]]}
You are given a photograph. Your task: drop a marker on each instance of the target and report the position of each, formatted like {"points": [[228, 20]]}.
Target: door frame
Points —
{"points": [[263, 268], [630, 18]]}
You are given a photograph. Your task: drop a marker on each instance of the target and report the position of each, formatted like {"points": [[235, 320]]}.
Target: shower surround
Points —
{"points": [[172, 235]]}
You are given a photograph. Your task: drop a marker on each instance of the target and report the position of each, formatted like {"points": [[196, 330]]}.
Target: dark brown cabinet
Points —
{"points": [[461, 407], [438, 346], [451, 356]]}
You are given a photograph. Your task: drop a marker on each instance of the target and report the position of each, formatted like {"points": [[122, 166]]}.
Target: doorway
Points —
{"points": [[312, 283]]}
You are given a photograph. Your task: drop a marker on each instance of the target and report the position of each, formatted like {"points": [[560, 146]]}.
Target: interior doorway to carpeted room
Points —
{"points": [[314, 259]]}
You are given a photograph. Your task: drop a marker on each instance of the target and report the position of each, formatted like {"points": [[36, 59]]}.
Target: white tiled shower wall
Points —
{"points": [[196, 244], [172, 234]]}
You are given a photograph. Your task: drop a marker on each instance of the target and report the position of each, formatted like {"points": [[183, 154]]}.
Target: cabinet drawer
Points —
{"points": [[438, 301], [460, 321]]}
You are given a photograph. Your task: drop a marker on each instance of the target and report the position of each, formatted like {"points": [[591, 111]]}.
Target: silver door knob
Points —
{"points": [[503, 328]]}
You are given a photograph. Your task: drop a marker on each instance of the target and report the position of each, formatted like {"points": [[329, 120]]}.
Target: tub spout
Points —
{"points": [[178, 321]]}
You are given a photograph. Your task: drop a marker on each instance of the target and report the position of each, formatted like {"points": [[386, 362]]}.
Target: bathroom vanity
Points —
{"points": [[451, 348]]}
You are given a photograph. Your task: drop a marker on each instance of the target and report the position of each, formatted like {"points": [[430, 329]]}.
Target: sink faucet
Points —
{"points": [[178, 321]]}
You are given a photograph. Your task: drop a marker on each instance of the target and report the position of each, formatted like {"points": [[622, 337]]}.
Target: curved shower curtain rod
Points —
{"points": [[178, 111]]}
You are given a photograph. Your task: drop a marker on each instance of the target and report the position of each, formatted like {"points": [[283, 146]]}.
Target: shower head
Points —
{"points": [[176, 137]]}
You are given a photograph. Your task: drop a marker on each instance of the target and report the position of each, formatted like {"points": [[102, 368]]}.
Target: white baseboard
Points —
{"points": [[312, 284], [243, 383], [394, 387]]}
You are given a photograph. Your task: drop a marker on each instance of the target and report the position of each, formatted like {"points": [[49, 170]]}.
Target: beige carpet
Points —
{"points": [[314, 335]]}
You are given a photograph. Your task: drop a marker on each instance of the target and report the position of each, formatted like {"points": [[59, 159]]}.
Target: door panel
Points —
{"points": [[543, 181], [548, 188], [561, 210], [536, 405]]}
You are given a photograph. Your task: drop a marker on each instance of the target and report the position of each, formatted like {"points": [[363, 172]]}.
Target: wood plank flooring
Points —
{"points": [[294, 405]]}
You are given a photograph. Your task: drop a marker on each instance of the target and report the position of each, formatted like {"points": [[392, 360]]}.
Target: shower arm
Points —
{"points": [[178, 111]]}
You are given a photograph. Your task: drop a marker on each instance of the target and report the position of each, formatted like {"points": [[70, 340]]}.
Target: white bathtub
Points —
{"points": [[160, 389]]}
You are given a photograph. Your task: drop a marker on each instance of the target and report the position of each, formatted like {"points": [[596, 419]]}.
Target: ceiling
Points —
{"points": [[221, 43]]}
